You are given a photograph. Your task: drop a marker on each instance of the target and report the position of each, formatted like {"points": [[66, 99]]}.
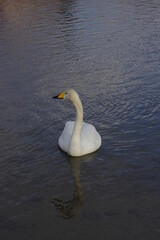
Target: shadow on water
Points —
{"points": [[69, 208]]}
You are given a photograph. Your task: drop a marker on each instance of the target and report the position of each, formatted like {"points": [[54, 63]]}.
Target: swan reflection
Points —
{"points": [[69, 208]]}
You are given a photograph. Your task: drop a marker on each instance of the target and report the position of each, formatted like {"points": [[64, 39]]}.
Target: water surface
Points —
{"points": [[109, 52]]}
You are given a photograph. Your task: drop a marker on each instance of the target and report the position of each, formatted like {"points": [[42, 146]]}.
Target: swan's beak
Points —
{"points": [[60, 96]]}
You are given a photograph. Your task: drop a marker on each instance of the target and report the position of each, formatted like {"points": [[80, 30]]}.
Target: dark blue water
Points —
{"points": [[109, 51]]}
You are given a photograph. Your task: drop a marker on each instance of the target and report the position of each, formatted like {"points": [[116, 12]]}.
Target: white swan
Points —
{"points": [[78, 138]]}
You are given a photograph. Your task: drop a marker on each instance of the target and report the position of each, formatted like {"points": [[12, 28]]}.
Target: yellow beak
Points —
{"points": [[60, 96]]}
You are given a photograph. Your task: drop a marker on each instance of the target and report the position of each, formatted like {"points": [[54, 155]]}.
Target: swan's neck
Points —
{"points": [[75, 143]]}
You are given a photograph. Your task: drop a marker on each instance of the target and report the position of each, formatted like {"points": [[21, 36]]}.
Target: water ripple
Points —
{"points": [[110, 54]]}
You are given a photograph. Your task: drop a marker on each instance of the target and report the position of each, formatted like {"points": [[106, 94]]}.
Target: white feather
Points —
{"points": [[78, 138]]}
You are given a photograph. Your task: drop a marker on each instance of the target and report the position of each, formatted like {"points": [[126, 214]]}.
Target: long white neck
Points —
{"points": [[75, 143]]}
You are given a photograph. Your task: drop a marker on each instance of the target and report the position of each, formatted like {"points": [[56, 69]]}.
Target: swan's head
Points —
{"points": [[70, 94]]}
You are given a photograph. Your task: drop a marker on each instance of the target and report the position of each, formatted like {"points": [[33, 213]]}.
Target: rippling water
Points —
{"points": [[109, 52]]}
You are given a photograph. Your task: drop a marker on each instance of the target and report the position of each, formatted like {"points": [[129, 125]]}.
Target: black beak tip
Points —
{"points": [[55, 97]]}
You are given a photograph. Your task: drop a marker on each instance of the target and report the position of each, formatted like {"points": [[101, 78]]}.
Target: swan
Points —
{"points": [[78, 138]]}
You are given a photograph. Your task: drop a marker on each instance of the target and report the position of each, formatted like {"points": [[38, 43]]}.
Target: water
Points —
{"points": [[109, 52]]}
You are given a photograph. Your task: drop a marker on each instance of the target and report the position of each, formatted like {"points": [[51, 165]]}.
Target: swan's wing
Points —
{"points": [[91, 139], [65, 137]]}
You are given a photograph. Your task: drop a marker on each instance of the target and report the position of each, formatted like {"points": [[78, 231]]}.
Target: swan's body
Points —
{"points": [[78, 138]]}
